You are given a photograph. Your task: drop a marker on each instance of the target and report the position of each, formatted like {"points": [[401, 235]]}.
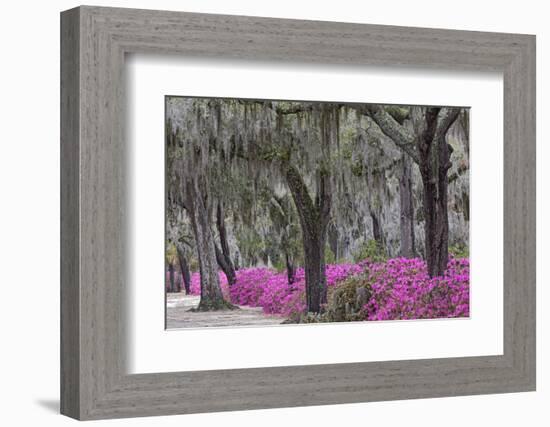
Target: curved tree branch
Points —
{"points": [[445, 119], [390, 127]]}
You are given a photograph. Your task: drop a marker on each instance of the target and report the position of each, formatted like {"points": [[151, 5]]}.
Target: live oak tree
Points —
{"points": [[190, 131], [223, 253], [401, 167], [427, 146], [287, 230], [314, 212], [178, 241], [292, 143], [298, 150], [373, 160]]}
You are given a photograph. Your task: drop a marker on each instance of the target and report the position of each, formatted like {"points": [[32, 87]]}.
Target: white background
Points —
{"points": [[29, 218], [150, 78]]}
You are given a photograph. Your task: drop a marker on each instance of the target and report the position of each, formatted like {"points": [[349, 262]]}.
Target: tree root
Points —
{"points": [[218, 305]]}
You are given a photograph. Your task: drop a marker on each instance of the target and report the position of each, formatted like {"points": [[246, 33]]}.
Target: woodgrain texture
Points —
{"points": [[94, 273], [70, 313]]}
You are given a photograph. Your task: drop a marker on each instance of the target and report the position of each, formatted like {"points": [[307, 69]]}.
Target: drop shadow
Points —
{"points": [[51, 405]]}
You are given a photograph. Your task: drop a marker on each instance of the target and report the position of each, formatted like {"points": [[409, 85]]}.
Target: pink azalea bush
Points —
{"points": [[401, 289], [264, 287], [279, 297], [250, 286]]}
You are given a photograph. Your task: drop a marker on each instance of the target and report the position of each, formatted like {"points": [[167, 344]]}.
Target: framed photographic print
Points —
{"points": [[349, 208]]}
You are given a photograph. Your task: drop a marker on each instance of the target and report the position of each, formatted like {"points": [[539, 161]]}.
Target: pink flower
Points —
{"points": [[401, 289]]}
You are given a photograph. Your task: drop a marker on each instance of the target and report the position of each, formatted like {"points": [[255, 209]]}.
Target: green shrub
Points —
{"points": [[371, 250], [330, 258], [345, 303], [459, 250], [346, 300]]}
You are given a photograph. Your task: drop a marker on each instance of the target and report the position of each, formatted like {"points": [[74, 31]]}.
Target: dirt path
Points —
{"points": [[179, 316]]}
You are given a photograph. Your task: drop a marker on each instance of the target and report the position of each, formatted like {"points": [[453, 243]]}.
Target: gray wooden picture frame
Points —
{"points": [[94, 382]]}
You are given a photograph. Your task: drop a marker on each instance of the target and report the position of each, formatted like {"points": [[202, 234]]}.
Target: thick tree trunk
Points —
{"points": [[184, 269], [227, 268], [223, 256], [178, 284], [171, 277], [377, 228], [436, 230], [333, 241], [290, 270], [281, 217], [316, 281], [407, 210], [314, 218], [211, 292]]}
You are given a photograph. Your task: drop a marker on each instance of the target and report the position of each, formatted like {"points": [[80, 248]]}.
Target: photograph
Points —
{"points": [[293, 212]]}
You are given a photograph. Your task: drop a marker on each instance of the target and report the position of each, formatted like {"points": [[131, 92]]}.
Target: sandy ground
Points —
{"points": [[179, 316]]}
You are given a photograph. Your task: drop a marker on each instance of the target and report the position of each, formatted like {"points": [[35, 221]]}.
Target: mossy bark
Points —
{"points": [[184, 269], [171, 277], [316, 281], [436, 230], [406, 220], [434, 163], [225, 266], [211, 292], [223, 254], [290, 269], [283, 219], [377, 227], [314, 217]]}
